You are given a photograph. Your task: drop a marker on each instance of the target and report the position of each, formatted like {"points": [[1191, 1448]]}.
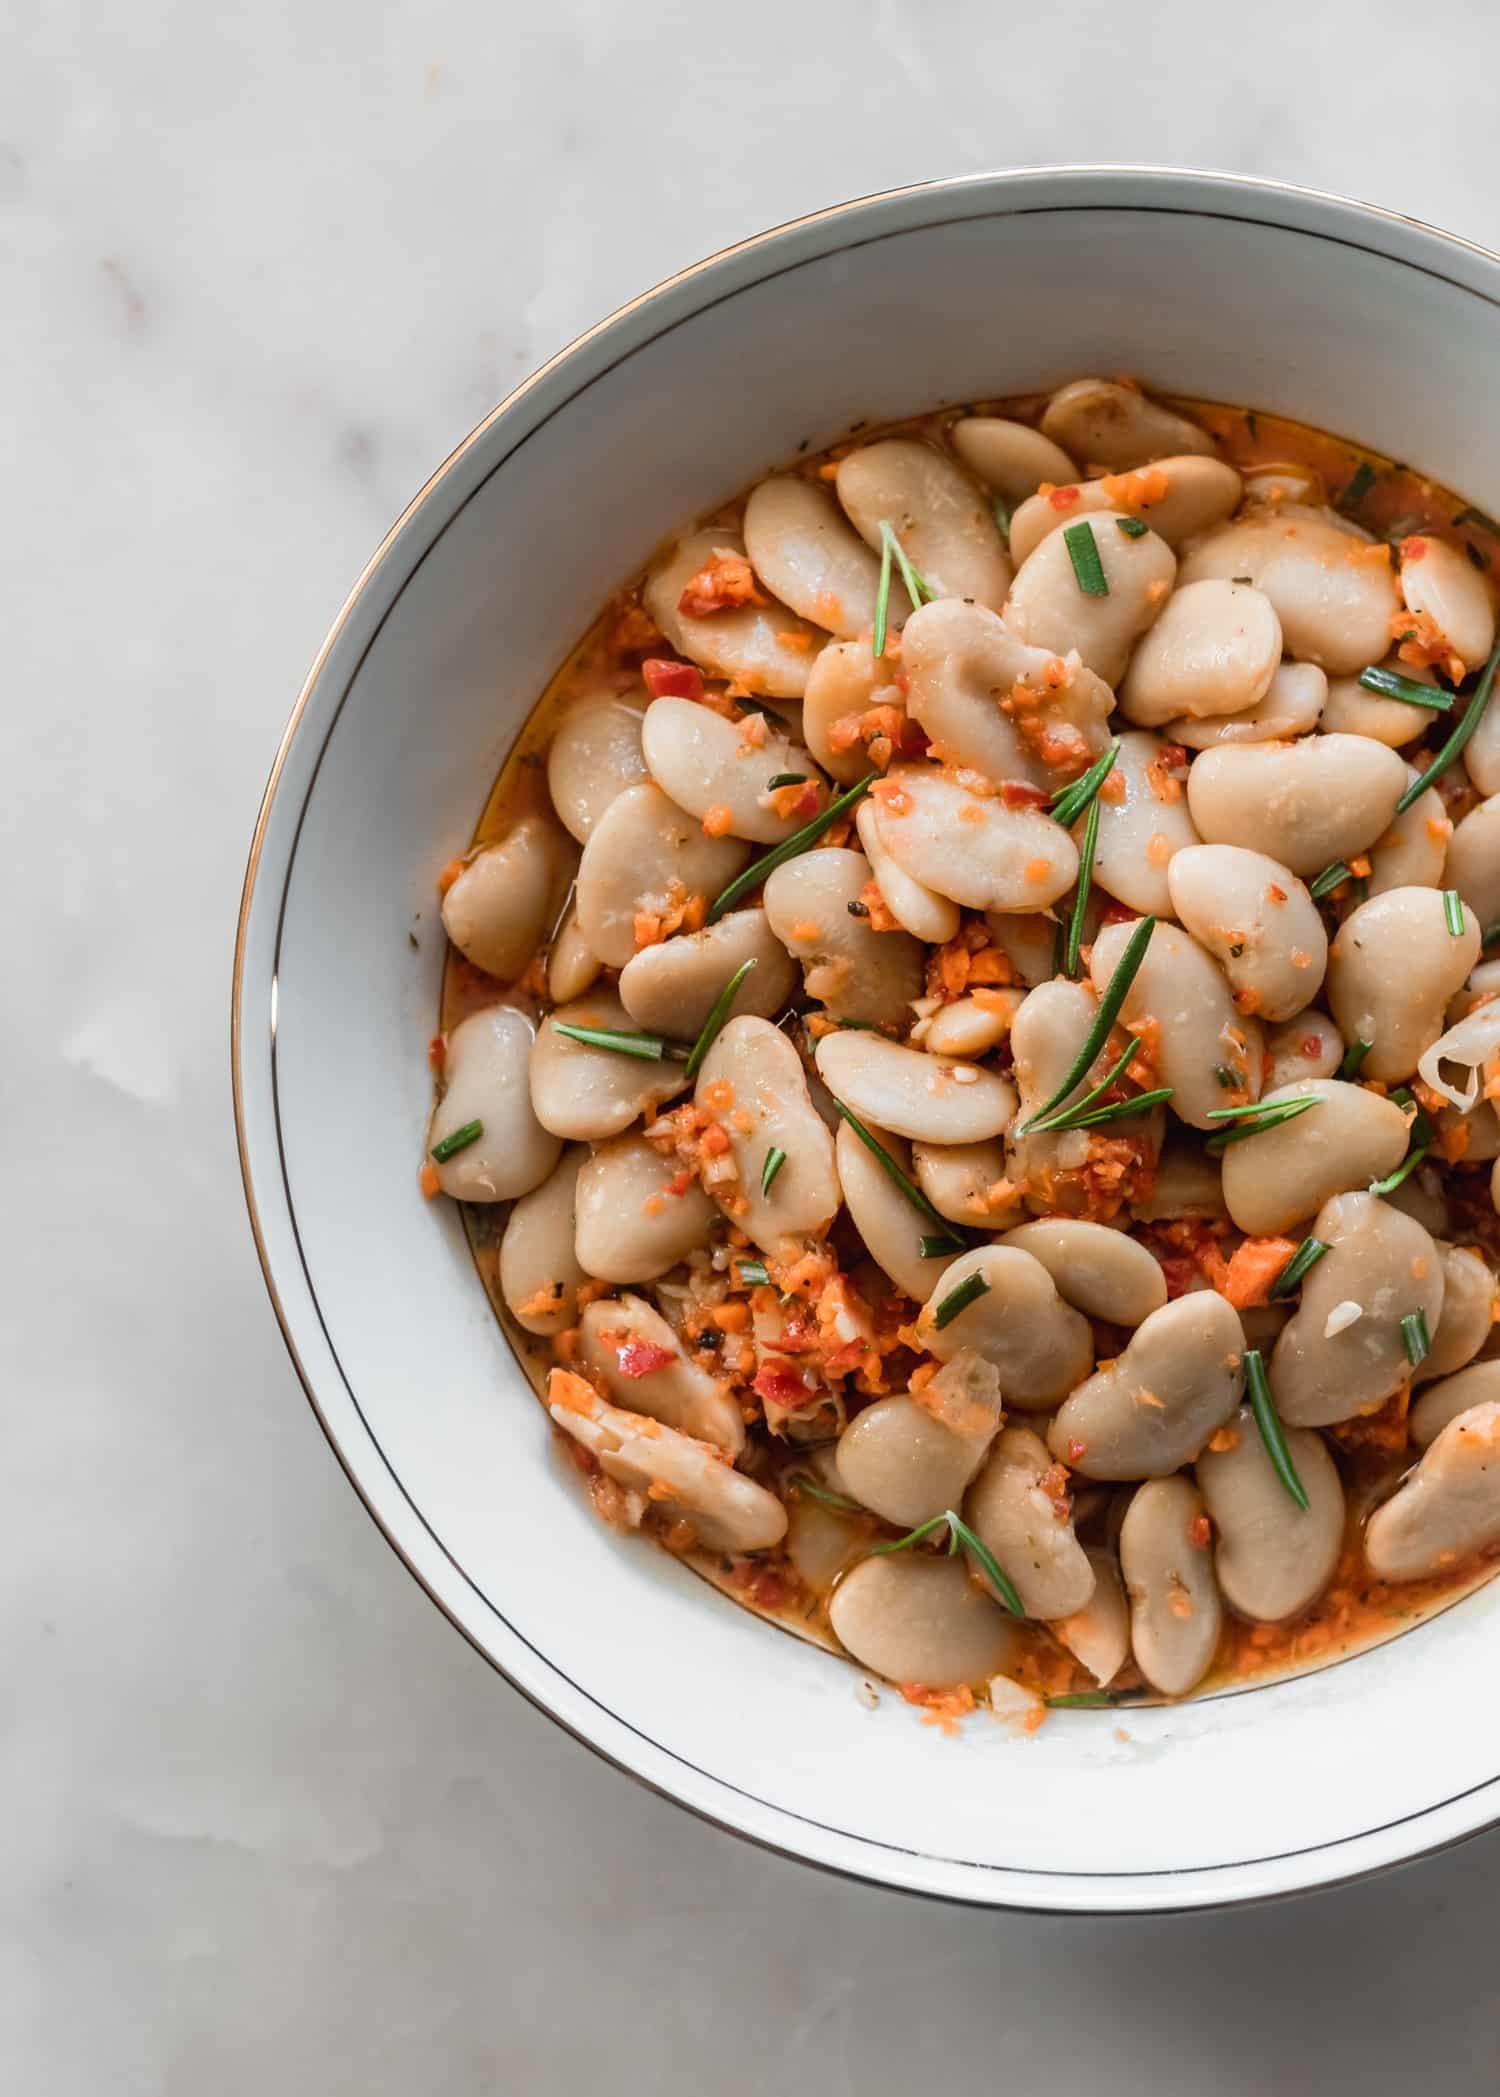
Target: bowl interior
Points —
{"points": [[1224, 290]]}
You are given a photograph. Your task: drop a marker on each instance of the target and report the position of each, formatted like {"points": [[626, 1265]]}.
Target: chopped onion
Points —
{"points": [[1469, 1046], [1016, 1705], [1341, 1317]]}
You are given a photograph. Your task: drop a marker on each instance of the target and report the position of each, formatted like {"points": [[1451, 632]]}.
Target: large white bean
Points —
{"points": [[1412, 852], [1153, 1408], [1334, 594], [1098, 1635], [1143, 823], [1439, 585], [1048, 608], [1047, 1035], [890, 1227], [1344, 1353], [1293, 705], [941, 519], [1392, 968], [1306, 803], [1101, 1272], [1102, 423], [631, 1226], [1028, 1531], [1468, 1314], [594, 755], [992, 702], [1448, 1509], [906, 1466], [761, 647], [1273, 1557], [1309, 1046], [503, 905], [966, 1182], [753, 1073], [1175, 1611], [1479, 1384], [1010, 457], [967, 1028], [1473, 865], [917, 1095], [971, 847], [675, 1473], [572, 965], [539, 1270], [1351, 710], [643, 856], [484, 1066], [922, 1620], [856, 972], [589, 1093], [918, 910], [1041, 1345], [844, 682], [1177, 497], [619, 1335], [804, 551], [1197, 1028], [1482, 752], [1257, 920], [671, 988], [706, 765], [1285, 1174], [1213, 651]]}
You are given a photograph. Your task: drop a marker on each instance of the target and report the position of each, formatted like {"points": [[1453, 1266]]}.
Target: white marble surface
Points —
{"points": [[270, 1825]]}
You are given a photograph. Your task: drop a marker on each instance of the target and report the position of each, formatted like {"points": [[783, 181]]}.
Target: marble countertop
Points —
{"points": [[272, 1825]]}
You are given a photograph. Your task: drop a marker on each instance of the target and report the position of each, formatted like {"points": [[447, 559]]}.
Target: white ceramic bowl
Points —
{"points": [[1366, 323]]}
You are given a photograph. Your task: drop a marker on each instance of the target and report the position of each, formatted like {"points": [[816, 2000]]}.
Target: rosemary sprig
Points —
{"points": [[1271, 1432], [1306, 1257], [935, 1248], [1001, 513], [959, 1532], [460, 1139], [1255, 1120], [647, 1048], [1083, 552], [1402, 1172], [1420, 1132], [917, 589], [1461, 736], [1390, 684], [1354, 1056], [1086, 1112], [1453, 912], [1415, 1337], [754, 1274], [944, 1231], [1094, 1699], [1115, 991], [1133, 527], [891, 549], [969, 1290], [715, 1020], [1357, 487], [804, 1482], [1073, 944], [1325, 883], [775, 1159], [789, 848], [1069, 802], [786, 779]]}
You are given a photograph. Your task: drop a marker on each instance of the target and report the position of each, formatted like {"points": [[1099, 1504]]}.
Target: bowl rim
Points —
{"points": [[846, 1856]]}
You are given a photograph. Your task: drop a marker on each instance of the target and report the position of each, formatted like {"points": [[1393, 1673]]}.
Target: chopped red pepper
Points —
{"points": [[666, 679], [643, 1358]]}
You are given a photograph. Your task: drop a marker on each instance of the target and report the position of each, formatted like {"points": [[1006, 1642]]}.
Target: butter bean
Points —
{"points": [[572, 965], [904, 1465], [917, 1618], [595, 755], [916, 909], [1468, 1313], [728, 1511], [1440, 1403], [1333, 595], [502, 906], [1213, 651], [886, 1221], [846, 680], [1392, 968], [678, 1393], [966, 1182], [1198, 1029], [484, 1063], [539, 1270], [1178, 498], [1448, 1509], [762, 1075], [1272, 1557], [1276, 1180], [1384, 1263], [765, 647], [943, 521], [1187, 1183], [1049, 610], [1102, 423], [1473, 865], [630, 1226], [1175, 1612], [1010, 457], [1258, 922], [1026, 939], [588, 1093], [973, 849], [1047, 1034], [1306, 803], [1153, 1408], [969, 1029], [914, 1094], [1141, 833], [1351, 710], [643, 853], [1040, 1345], [703, 764], [805, 552], [1412, 852], [1292, 706], [1098, 1635], [856, 972], [1437, 580], [1017, 1521], [671, 988], [1099, 1271], [1309, 1046]]}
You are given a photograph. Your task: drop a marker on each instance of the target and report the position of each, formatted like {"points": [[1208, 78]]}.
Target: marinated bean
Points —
{"points": [[1343, 1352], [704, 764], [845, 681], [1153, 1408], [914, 1094], [966, 1182], [1101, 1272], [967, 1028], [1473, 866], [1272, 1557], [1177, 497], [643, 857], [1257, 920], [1468, 1314], [1188, 1183], [502, 906], [1309, 1046], [595, 755], [1412, 852], [946, 527], [1048, 609], [1448, 1509], [1102, 423], [914, 1618], [1198, 1029], [1013, 1515], [1213, 651], [760, 645], [588, 1093], [906, 1466], [890, 1227], [1047, 1035], [1041, 1346], [1334, 594], [1392, 968], [918, 910], [484, 1063], [1175, 1612], [1098, 1635], [572, 965], [857, 973], [692, 1482], [1442, 1402], [539, 1270], [1142, 830], [616, 1337], [805, 553], [631, 1226], [753, 1072], [1027, 940], [960, 659], [1293, 705], [1277, 1179], [671, 988], [973, 849], [1306, 803], [1351, 710], [1010, 457], [1439, 586]]}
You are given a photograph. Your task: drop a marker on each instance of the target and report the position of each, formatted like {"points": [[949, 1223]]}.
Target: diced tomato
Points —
{"points": [[666, 679], [642, 1358], [1062, 498], [1016, 793], [779, 1385], [806, 803]]}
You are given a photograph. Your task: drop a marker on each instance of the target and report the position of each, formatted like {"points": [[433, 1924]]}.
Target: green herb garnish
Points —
{"points": [[1354, 1056], [1415, 1338], [1069, 802], [1083, 552], [1357, 487], [1402, 1172], [804, 1482], [1390, 684], [943, 1230], [1133, 527], [891, 549], [1074, 941], [1271, 1432], [1332, 876], [1255, 1120], [754, 1274], [1226, 1079], [786, 779], [1001, 514], [1307, 1256], [716, 1019], [959, 1532], [647, 1048], [789, 848], [459, 1140], [1453, 912], [1109, 1005], [969, 1290], [1461, 736], [775, 1159], [1086, 1113]]}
